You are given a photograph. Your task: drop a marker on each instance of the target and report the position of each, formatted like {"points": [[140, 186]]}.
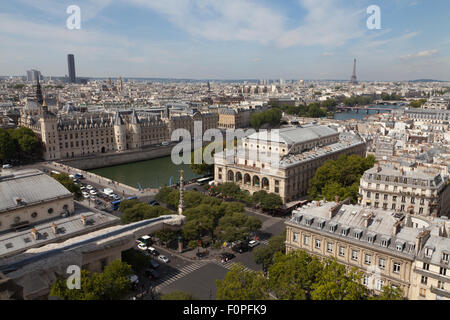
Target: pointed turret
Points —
{"points": [[39, 96], [134, 118]]}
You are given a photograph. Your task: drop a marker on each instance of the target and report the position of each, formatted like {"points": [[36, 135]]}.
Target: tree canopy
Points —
{"points": [[334, 282], [292, 275], [271, 117], [133, 211], [67, 182], [112, 284], [20, 145], [178, 295], [240, 284], [339, 177], [264, 254]]}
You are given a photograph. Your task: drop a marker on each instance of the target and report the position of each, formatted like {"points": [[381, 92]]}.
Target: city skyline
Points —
{"points": [[233, 40]]}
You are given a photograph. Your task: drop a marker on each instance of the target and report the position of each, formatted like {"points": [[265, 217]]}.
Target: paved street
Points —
{"points": [[200, 283]]}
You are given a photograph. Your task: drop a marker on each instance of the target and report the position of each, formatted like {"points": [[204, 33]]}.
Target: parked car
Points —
{"points": [[152, 273], [225, 257], [89, 187], [153, 264], [153, 203], [7, 166], [163, 258], [142, 246], [134, 280], [86, 195], [240, 247], [153, 251], [253, 243]]}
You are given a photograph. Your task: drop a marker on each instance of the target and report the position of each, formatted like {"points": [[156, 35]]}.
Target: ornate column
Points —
{"points": [[181, 205]]}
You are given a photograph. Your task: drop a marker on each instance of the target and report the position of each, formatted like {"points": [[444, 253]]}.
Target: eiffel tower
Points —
{"points": [[353, 80]]}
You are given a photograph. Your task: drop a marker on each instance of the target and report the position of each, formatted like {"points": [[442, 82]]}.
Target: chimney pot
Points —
{"points": [[35, 233], [54, 228], [83, 220]]}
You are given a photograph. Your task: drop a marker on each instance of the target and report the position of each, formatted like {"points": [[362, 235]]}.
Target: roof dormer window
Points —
{"points": [[429, 252]]}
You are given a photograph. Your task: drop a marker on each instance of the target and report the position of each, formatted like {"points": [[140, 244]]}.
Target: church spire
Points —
{"points": [[39, 96]]}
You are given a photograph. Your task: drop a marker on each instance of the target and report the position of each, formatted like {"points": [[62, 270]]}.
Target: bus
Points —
{"points": [[115, 204], [205, 180]]}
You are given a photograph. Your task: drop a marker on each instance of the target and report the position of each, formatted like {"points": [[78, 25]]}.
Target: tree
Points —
{"points": [[67, 182], [239, 284], [417, 103], [264, 254], [178, 295], [201, 168], [271, 117], [314, 111], [135, 259], [112, 284], [134, 211], [389, 293], [333, 282], [339, 178], [163, 193], [228, 190], [292, 275], [7, 146], [268, 201], [28, 146]]}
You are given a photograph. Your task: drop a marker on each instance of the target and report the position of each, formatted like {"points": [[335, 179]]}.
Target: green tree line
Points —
{"points": [[19, 145], [299, 276], [339, 178]]}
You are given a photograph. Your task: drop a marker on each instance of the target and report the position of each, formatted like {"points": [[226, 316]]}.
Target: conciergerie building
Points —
{"points": [[72, 135], [283, 161]]}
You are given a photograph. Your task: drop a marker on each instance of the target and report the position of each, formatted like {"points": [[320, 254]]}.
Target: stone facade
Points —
{"points": [[416, 190], [285, 161], [387, 247], [81, 135]]}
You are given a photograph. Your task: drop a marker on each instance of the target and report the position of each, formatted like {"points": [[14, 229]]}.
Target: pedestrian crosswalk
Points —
{"points": [[229, 264], [175, 275]]}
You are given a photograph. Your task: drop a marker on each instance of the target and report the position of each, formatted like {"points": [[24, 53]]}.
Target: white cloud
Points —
{"points": [[326, 23], [421, 54]]}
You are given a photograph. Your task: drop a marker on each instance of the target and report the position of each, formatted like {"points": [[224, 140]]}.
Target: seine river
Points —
{"points": [[149, 174], [347, 115]]}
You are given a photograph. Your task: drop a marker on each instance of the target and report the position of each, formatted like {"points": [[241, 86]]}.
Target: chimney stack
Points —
{"points": [[35, 233], [443, 231], [421, 239], [368, 220], [396, 227], [54, 228], [83, 220]]}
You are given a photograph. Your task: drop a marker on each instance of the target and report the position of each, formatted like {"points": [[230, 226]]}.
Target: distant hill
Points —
{"points": [[426, 80]]}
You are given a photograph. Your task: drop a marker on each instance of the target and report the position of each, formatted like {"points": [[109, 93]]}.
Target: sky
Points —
{"points": [[228, 39]]}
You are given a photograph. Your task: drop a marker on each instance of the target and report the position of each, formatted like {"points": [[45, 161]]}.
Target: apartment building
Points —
{"points": [[414, 189], [389, 248]]}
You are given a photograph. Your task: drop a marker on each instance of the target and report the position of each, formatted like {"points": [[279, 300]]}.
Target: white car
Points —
{"points": [[142, 246], [7, 166], [163, 258], [253, 243], [93, 192], [89, 187], [86, 195]]}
